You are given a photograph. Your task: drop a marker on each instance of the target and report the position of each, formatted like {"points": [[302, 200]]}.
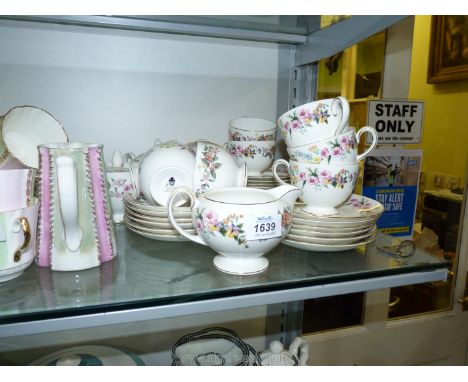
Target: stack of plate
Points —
{"points": [[152, 221], [266, 180], [354, 225]]}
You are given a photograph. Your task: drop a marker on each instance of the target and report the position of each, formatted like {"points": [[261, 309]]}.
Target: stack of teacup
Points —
{"points": [[323, 150], [253, 140], [22, 129]]}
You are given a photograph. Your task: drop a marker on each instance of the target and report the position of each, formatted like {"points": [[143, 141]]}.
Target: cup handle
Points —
{"points": [[156, 142], [68, 197], [170, 206], [300, 349], [127, 159], [373, 132], [277, 163], [345, 113], [25, 227]]}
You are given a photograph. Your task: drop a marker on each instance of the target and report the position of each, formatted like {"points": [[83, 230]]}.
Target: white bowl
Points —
{"points": [[258, 155], [216, 168], [341, 148], [314, 121], [163, 168], [252, 129], [24, 128], [324, 186]]}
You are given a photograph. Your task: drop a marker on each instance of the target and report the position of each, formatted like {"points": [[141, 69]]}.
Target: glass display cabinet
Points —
{"points": [[152, 282]]}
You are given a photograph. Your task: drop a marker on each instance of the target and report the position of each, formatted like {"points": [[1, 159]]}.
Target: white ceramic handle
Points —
{"points": [[68, 197], [373, 132], [278, 162], [170, 206], [300, 349], [345, 113], [127, 159], [156, 142]]}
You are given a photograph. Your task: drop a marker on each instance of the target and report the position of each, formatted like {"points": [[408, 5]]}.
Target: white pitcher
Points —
{"points": [[240, 223], [75, 229]]}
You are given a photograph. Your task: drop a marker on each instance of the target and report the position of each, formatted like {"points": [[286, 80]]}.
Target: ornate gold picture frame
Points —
{"points": [[448, 55]]}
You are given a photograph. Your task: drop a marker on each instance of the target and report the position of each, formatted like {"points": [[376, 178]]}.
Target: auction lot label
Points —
{"points": [[396, 122]]}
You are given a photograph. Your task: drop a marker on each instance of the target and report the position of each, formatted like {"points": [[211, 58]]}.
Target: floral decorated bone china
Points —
{"points": [[216, 168], [258, 155], [324, 186], [240, 224], [341, 148], [251, 129], [314, 121]]}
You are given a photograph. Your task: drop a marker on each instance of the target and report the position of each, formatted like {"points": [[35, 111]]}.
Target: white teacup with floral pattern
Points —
{"points": [[258, 155], [215, 167], [252, 129], [341, 148], [314, 121], [325, 186]]}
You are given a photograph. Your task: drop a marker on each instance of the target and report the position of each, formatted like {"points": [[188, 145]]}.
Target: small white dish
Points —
{"points": [[157, 222], [330, 240], [325, 247], [339, 233], [334, 224], [90, 355], [356, 207], [152, 231], [157, 237]]}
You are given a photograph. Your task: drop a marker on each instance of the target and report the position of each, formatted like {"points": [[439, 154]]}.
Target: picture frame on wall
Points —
{"points": [[448, 55]]}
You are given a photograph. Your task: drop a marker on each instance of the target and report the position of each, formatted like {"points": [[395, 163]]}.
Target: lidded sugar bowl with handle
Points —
{"points": [[75, 229]]}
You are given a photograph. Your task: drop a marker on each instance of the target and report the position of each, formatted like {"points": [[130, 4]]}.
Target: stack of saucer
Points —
{"points": [[152, 222], [266, 180], [354, 225]]}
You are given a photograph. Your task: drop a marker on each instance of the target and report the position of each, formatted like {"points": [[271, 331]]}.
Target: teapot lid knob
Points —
{"points": [[276, 347]]}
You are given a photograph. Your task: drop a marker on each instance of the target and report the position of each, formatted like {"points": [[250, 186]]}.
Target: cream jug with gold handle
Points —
{"points": [[75, 229]]}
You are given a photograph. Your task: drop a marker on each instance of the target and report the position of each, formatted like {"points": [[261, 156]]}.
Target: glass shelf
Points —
{"points": [[155, 279]]}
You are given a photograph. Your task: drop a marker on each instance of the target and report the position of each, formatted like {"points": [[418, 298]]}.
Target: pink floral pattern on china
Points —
{"points": [[118, 187], [322, 179], [232, 227], [300, 119], [251, 150], [209, 165], [237, 136], [207, 223], [361, 203], [336, 149]]}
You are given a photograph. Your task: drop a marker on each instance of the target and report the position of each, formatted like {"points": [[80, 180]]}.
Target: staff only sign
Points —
{"points": [[396, 122]]}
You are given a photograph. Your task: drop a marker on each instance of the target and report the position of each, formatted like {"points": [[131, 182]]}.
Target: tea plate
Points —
{"points": [[153, 231], [333, 224], [159, 212], [330, 241], [330, 233], [157, 237], [325, 247], [356, 207], [151, 219], [142, 205], [157, 225]]}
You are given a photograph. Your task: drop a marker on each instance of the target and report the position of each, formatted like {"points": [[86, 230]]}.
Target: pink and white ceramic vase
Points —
{"points": [[75, 229]]}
